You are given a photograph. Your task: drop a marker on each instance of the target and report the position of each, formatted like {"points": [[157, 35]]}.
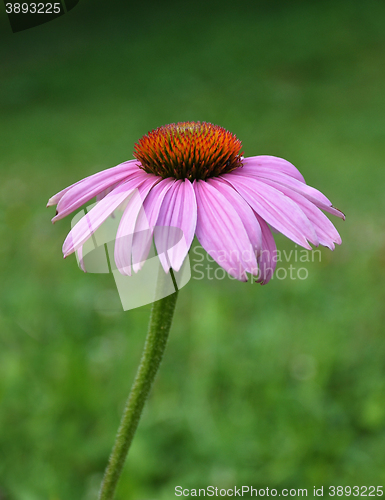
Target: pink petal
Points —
{"points": [[124, 236], [57, 197], [244, 211], [108, 190], [147, 218], [312, 194], [95, 217], [79, 253], [326, 232], [54, 200], [267, 259], [221, 232], [254, 163], [76, 195], [275, 208], [178, 210]]}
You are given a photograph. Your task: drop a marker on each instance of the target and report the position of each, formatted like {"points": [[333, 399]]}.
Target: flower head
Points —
{"points": [[192, 176], [189, 150]]}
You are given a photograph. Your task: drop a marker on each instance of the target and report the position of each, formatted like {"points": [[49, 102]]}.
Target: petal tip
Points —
{"points": [[342, 215]]}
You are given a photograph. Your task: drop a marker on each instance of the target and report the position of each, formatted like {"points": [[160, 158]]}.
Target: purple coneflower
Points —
{"points": [[193, 176]]}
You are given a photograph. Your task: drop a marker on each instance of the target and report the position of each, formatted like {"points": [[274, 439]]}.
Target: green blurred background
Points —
{"points": [[281, 386]]}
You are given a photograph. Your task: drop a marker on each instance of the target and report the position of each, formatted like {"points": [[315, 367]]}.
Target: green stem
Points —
{"points": [[160, 323]]}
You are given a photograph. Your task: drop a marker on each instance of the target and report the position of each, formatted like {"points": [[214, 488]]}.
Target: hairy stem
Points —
{"points": [[160, 323]]}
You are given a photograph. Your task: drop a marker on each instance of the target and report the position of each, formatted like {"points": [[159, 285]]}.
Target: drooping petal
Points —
{"points": [[312, 194], [273, 163], [124, 235], [244, 211], [326, 232], [146, 221], [176, 224], [89, 187], [275, 208], [221, 232], [95, 217], [108, 190], [79, 253], [267, 260], [54, 200]]}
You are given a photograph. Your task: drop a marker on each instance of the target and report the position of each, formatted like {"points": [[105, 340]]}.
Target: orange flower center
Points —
{"points": [[189, 150]]}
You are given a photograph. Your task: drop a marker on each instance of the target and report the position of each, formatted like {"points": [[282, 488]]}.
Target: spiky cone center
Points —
{"points": [[189, 150]]}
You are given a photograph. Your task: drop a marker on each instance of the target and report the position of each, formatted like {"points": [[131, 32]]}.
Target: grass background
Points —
{"points": [[280, 386]]}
